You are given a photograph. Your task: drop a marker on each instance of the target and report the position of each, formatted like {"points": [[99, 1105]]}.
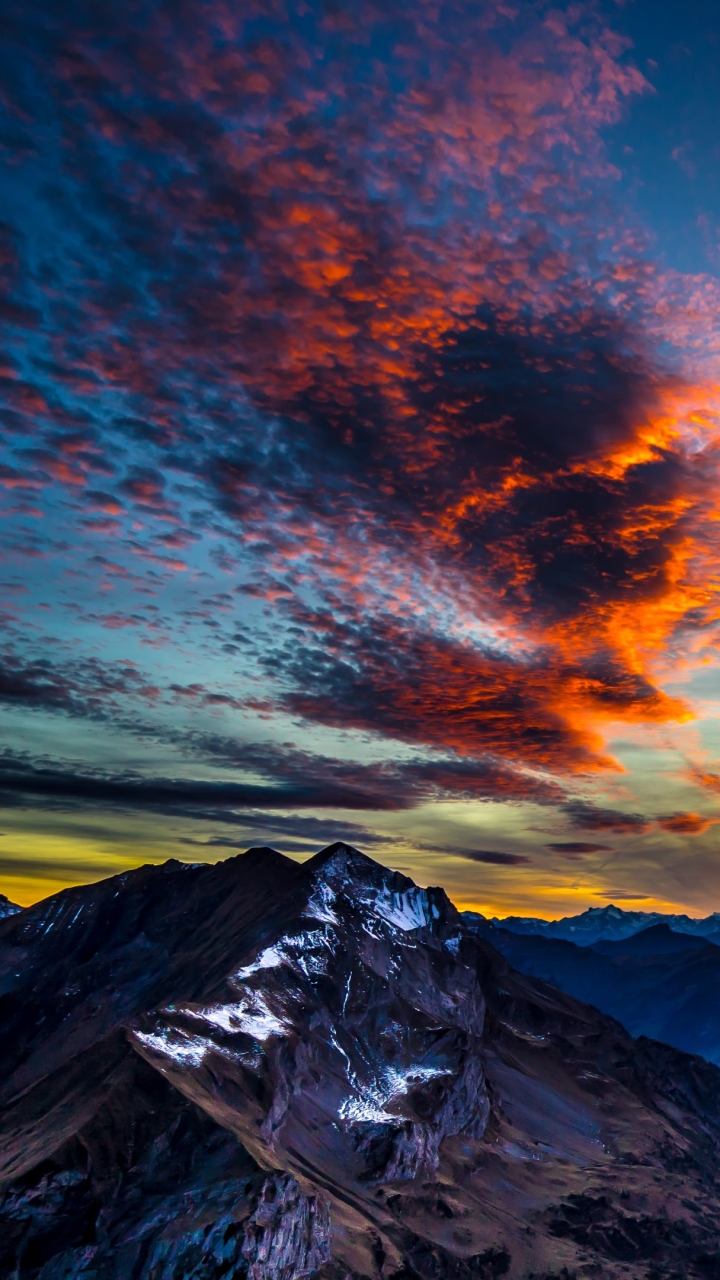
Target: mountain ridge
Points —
{"points": [[599, 924], [269, 1070], [657, 983]]}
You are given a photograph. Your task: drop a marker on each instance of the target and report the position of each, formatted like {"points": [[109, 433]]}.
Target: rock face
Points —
{"points": [[355, 1022], [288, 1234], [269, 1072]]}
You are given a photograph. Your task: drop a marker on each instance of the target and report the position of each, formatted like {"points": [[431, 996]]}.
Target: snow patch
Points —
{"points": [[321, 903], [189, 1051], [250, 1014], [270, 958], [407, 910], [302, 951], [370, 1101]]}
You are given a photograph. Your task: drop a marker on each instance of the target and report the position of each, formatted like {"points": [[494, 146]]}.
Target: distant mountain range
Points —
{"points": [[604, 924], [264, 1071], [658, 975]]}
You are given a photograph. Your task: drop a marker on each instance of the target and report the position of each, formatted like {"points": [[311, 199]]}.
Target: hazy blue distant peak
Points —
{"points": [[601, 924]]}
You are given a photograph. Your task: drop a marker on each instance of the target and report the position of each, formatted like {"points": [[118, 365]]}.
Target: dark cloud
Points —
{"points": [[623, 895], [287, 844], [89, 688], [493, 859], [573, 848], [60, 784], [592, 817], [81, 869], [323, 831], [404, 782], [296, 779]]}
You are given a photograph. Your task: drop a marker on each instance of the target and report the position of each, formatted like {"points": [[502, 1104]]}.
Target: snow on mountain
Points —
{"points": [[269, 1071], [603, 924]]}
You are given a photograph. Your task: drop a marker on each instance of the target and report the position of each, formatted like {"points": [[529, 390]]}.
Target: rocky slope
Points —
{"points": [[267, 1071]]}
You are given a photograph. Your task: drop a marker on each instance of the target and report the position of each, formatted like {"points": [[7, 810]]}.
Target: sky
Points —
{"points": [[360, 440]]}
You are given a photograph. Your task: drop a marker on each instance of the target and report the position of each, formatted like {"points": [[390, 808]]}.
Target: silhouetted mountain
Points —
{"points": [[7, 908], [269, 1071], [603, 924], [658, 940]]}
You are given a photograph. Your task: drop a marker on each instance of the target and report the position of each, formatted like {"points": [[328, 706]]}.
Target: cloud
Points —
{"points": [[592, 817], [295, 779], [705, 778], [687, 824], [89, 688], [572, 849], [79, 869], [579, 846], [623, 895], [493, 859], [335, 311], [59, 784], [324, 831], [381, 674], [287, 843], [405, 782]]}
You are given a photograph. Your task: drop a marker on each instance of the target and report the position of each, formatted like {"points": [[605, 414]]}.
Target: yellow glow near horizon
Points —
{"points": [[39, 869]]}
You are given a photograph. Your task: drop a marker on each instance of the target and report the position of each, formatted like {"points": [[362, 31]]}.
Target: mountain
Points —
{"points": [[266, 1071], [656, 983], [657, 940], [603, 924], [7, 908]]}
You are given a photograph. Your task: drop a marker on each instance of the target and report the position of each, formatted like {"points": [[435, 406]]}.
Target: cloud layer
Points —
{"points": [[338, 394]]}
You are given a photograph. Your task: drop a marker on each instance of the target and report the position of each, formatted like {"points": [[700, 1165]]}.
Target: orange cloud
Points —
{"points": [[686, 824], [353, 284]]}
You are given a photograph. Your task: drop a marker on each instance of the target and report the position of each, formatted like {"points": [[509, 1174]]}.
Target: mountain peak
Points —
{"points": [[341, 871], [264, 854], [346, 855], [282, 1070]]}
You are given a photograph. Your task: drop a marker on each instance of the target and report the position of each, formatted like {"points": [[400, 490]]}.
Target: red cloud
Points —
{"points": [[686, 824], [348, 277]]}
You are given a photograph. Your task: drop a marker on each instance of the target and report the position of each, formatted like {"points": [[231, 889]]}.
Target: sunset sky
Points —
{"points": [[361, 442]]}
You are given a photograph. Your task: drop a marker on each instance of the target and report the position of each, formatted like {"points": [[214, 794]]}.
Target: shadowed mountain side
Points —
{"points": [[658, 940], [78, 966], [269, 1072], [669, 995]]}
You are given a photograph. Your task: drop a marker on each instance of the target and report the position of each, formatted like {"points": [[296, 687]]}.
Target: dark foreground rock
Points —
{"points": [[266, 1071]]}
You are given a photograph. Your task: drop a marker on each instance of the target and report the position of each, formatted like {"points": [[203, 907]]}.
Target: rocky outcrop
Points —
{"points": [[443, 1107], [287, 1235]]}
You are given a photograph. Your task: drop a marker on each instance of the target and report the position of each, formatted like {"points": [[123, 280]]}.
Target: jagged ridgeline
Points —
{"points": [[270, 1071]]}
